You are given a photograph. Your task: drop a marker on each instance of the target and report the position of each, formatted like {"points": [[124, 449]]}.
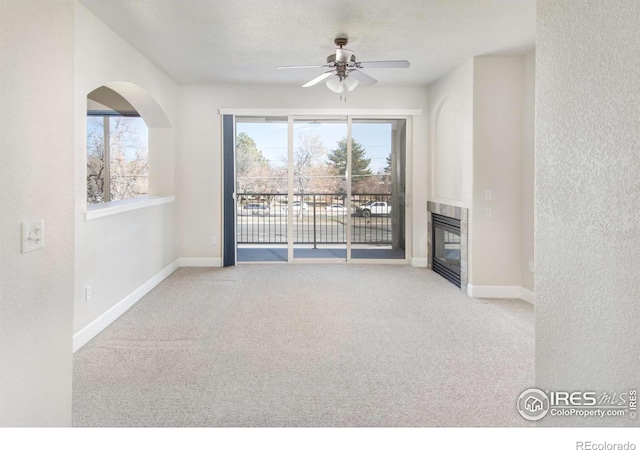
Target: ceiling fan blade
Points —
{"points": [[400, 64], [319, 78], [303, 67], [343, 55], [362, 77]]}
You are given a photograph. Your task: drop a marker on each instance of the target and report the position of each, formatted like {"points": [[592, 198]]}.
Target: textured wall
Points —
{"points": [[587, 230], [36, 181]]}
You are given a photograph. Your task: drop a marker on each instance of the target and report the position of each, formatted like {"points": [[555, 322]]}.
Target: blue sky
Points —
{"points": [[271, 138]]}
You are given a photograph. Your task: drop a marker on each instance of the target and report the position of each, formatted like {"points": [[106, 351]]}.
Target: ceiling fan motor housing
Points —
{"points": [[340, 67], [331, 59], [341, 41]]}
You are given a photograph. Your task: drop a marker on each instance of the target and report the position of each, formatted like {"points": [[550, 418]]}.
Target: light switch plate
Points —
{"points": [[32, 235], [488, 213], [487, 194]]}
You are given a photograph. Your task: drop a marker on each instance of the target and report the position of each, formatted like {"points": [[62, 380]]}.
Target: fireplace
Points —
{"points": [[446, 247], [447, 242]]}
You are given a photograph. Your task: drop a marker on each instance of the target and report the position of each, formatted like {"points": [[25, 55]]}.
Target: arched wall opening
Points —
{"points": [[142, 159]]}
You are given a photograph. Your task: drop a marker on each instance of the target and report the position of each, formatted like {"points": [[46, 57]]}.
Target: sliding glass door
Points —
{"points": [[378, 157], [321, 188], [262, 174]]}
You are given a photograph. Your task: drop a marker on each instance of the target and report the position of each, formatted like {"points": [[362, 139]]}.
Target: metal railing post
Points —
{"points": [[315, 246]]}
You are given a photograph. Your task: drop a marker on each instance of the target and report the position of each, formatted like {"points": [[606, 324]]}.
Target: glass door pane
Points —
{"points": [[378, 161], [261, 188], [319, 189]]}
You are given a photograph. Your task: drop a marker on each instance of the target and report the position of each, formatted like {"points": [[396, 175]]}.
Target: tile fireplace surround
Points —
{"points": [[454, 212]]}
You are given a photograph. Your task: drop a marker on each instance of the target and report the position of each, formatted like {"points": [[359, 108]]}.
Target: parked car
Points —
{"points": [[256, 209], [336, 210], [296, 207], [372, 208], [305, 207]]}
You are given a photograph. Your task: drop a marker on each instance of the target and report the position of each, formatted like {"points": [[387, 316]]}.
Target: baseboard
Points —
{"points": [[94, 328], [199, 262], [493, 291], [527, 295], [500, 292], [419, 262]]}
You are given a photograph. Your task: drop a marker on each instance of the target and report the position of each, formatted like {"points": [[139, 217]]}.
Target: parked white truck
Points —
{"points": [[372, 208]]}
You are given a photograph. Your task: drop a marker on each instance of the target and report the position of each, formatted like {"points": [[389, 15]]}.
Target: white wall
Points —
{"points": [[36, 181], [527, 170], [497, 154], [118, 253], [451, 139], [587, 189], [482, 139], [199, 165]]}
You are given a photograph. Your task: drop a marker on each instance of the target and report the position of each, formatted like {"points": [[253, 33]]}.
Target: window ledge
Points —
{"points": [[108, 209]]}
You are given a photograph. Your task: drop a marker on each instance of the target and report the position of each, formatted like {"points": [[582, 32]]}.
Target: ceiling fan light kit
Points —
{"points": [[345, 74], [340, 85]]}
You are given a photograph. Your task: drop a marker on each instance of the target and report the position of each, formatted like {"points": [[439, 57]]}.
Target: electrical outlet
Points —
{"points": [[487, 194], [32, 235], [214, 240], [488, 213], [88, 293], [531, 267]]}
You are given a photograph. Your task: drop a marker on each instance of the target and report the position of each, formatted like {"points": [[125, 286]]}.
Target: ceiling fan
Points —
{"points": [[344, 74]]}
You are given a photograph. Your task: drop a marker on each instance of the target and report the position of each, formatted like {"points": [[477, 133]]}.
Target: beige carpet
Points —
{"points": [[307, 345]]}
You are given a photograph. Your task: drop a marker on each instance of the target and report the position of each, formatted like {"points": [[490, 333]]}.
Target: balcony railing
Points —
{"points": [[262, 218]]}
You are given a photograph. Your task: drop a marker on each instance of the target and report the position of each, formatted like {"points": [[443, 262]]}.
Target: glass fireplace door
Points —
{"points": [[446, 247]]}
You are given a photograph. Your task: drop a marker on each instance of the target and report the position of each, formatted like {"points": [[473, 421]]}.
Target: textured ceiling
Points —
{"points": [[242, 41]]}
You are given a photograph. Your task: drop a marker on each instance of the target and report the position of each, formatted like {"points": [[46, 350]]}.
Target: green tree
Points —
{"points": [[359, 164], [387, 168], [248, 156], [253, 172]]}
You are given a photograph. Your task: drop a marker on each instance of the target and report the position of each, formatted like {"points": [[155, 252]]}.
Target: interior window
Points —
{"points": [[117, 148]]}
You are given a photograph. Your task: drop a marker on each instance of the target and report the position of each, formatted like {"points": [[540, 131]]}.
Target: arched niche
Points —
{"points": [[447, 150]]}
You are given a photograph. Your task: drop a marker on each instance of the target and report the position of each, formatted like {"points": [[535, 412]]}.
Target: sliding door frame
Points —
{"points": [[326, 114], [229, 239]]}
